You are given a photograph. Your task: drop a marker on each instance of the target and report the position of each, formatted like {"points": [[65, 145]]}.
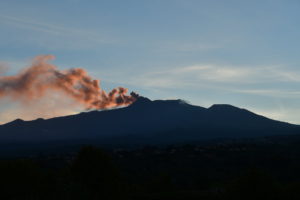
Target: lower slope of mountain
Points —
{"points": [[147, 122]]}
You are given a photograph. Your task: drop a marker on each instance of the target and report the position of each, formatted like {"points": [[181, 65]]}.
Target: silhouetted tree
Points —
{"points": [[94, 174], [292, 191], [19, 179], [160, 183], [254, 184]]}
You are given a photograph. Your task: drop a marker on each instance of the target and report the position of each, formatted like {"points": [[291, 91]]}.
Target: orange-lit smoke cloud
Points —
{"points": [[41, 77]]}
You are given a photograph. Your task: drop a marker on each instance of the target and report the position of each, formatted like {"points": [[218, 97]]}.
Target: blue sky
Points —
{"points": [[244, 53]]}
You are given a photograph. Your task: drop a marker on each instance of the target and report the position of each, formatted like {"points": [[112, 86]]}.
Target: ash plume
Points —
{"points": [[34, 82]]}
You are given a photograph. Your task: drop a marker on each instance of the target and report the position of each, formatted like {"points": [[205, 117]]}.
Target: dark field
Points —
{"points": [[265, 168]]}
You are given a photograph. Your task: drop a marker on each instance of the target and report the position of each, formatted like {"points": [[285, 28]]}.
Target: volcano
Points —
{"points": [[146, 122]]}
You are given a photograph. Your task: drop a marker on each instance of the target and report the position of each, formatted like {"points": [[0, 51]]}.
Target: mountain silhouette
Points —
{"points": [[147, 122]]}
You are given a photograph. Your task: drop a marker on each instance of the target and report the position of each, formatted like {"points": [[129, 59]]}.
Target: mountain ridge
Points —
{"points": [[145, 120]]}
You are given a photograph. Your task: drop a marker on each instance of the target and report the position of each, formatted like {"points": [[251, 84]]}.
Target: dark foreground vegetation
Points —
{"points": [[224, 170]]}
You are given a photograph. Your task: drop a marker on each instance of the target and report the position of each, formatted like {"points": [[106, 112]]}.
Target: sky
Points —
{"points": [[244, 53]]}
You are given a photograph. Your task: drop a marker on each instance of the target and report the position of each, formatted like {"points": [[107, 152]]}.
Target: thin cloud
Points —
{"points": [[241, 74], [188, 47], [56, 36], [269, 92], [49, 28], [286, 114], [214, 73], [258, 80]]}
